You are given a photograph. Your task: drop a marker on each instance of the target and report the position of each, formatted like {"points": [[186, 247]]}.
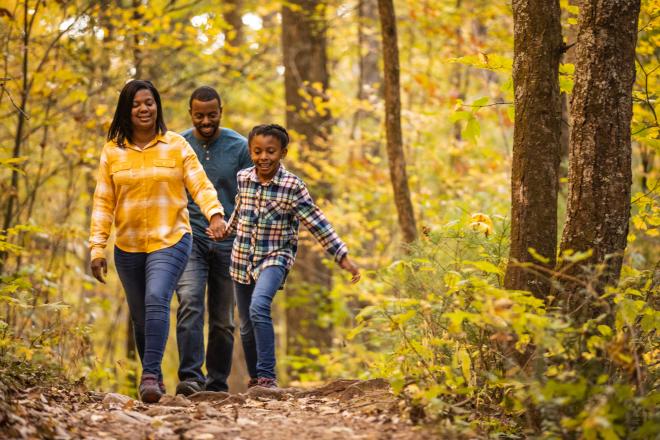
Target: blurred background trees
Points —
{"points": [[432, 316]]}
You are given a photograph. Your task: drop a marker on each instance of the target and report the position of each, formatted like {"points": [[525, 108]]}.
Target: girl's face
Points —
{"points": [[144, 111], [266, 153]]}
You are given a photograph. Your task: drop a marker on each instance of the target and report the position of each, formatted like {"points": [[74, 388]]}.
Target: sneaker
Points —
{"points": [[189, 387], [253, 382], [149, 389], [267, 382]]}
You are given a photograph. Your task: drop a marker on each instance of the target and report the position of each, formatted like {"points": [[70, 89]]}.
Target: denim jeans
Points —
{"points": [[208, 264], [257, 333], [149, 280]]}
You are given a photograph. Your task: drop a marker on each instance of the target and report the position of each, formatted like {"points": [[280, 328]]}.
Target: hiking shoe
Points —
{"points": [[149, 389], [253, 382], [267, 382], [189, 387]]}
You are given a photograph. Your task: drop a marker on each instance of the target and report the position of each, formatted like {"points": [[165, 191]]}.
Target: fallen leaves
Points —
{"points": [[344, 409]]}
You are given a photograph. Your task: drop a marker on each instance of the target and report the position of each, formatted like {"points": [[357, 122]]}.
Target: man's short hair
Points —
{"points": [[205, 94]]}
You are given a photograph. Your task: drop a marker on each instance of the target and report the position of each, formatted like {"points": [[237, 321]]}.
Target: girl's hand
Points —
{"points": [[349, 266], [217, 228]]}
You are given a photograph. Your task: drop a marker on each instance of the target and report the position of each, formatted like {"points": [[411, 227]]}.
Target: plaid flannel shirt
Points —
{"points": [[266, 222], [143, 191]]}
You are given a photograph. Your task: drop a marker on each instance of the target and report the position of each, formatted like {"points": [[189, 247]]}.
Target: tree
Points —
{"points": [[306, 80], [396, 159], [600, 175], [367, 122], [536, 142]]}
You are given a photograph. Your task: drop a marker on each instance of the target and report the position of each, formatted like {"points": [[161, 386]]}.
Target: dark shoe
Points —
{"points": [[253, 382], [267, 382], [149, 389], [161, 385], [189, 387]]}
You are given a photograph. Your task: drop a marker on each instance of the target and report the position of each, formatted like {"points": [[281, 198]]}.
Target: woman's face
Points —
{"points": [[144, 112]]}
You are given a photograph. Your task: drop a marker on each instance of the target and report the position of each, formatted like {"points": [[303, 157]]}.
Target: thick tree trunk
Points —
{"points": [[600, 173], [306, 77], [397, 162], [536, 141]]}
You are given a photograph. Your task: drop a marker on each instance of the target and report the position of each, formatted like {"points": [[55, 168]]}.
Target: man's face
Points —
{"points": [[205, 117]]}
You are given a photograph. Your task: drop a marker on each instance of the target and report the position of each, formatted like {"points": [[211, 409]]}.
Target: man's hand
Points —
{"points": [[349, 266], [99, 269], [217, 228]]}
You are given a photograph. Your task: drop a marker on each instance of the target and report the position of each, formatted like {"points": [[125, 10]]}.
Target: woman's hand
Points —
{"points": [[349, 266], [99, 269], [217, 228]]}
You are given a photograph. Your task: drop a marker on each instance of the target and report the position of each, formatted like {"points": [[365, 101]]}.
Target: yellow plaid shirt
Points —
{"points": [[144, 192]]}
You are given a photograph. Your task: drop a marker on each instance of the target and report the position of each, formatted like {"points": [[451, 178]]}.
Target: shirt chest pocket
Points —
{"points": [[122, 173], [275, 211], [165, 170]]}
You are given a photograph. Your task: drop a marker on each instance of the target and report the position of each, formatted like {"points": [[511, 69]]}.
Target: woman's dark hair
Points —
{"points": [[121, 129], [277, 131]]}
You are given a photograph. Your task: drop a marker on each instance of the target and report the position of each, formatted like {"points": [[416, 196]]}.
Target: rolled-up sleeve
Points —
{"points": [[198, 185], [103, 208]]}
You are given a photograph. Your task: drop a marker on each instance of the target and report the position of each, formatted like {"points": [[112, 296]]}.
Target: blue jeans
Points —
{"points": [[257, 333], [149, 280], [208, 263]]}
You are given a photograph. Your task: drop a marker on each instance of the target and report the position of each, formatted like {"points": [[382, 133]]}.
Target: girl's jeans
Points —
{"points": [[257, 333], [149, 280]]}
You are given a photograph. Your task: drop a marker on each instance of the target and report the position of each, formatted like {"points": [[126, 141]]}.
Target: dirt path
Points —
{"points": [[343, 409]]}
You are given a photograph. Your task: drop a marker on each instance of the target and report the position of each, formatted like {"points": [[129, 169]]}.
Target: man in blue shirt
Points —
{"points": [[222, 152]]}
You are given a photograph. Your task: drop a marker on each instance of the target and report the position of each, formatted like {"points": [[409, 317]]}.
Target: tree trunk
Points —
{"points": [[9, 219], [396, 159], [367, 122], [600, 173], [536, 142], [233, 17], [306, 77]]}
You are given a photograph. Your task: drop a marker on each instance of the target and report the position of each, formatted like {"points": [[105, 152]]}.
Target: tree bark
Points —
{"points": [[536, 141], [396, 159], [600, 174], [233, 17], [367, 122], [306, 77]]}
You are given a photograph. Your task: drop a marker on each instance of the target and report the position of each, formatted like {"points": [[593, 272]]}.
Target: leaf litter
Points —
{"points": [[343, 409]]}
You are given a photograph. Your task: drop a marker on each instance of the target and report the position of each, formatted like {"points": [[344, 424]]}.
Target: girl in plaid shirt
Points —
{"points": [[270, 205]]}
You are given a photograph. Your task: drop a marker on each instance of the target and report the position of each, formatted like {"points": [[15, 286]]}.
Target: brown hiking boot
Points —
{"points": [[267, 382], [253, 382], [149, 389]]}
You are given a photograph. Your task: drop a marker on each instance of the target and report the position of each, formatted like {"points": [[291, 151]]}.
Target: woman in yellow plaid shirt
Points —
{"points": [[144, 172]]}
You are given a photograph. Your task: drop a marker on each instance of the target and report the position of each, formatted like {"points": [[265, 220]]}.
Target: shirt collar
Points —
{"points": [[277, 178]]}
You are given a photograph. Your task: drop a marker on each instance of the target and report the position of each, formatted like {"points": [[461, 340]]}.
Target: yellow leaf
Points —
{"points": [[481, 223]]}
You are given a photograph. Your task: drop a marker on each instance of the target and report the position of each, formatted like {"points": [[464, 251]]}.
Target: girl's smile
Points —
{"points": [[266, 153]]}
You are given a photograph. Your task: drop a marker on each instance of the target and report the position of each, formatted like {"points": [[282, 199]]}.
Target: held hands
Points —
{"points": [[348, 265], [217, 229], [99, 269]]}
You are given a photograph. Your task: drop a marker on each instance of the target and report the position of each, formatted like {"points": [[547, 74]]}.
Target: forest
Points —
{"points": [[493, 167]]}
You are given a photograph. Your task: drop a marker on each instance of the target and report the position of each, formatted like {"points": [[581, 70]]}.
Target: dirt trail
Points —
{"points": [[345, 409]]}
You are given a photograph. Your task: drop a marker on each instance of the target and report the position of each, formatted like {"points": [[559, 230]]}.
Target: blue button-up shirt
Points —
{"points": [[266, 222], [221, 159]]}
